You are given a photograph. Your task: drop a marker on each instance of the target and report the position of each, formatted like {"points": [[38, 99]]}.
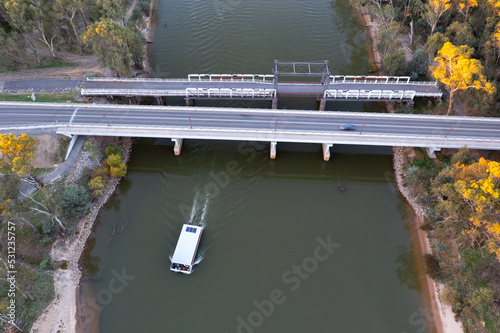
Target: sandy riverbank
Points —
{"points": [[443, 318], [62, 315]]}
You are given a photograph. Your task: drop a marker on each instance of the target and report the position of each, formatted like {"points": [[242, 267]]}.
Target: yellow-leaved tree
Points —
{"points": [[434, 9], [465, 5], [455, 68], [479, 186], [17, 152]]}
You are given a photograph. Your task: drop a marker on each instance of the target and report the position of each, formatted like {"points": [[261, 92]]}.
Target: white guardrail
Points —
{"points": [[188, 93], [261, 78], [377, 80], [369, 94]]}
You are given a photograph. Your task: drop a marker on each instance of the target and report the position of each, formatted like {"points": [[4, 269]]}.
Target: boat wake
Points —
{"points": [[198, 212]]}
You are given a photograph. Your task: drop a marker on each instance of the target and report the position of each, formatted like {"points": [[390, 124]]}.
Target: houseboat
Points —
{"points": [[185, 251]]}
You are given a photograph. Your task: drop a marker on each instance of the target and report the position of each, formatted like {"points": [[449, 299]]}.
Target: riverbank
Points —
{"points": [[62, 315], [442, 314]]}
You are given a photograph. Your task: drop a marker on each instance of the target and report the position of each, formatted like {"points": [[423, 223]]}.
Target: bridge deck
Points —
{"points": [[255, 125], [179, 87]]}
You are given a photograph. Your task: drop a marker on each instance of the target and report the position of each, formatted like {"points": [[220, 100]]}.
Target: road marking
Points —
{"points": [[73, 116]]}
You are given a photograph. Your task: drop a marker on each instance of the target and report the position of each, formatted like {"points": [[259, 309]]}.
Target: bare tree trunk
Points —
{"points": [[451, 102]]}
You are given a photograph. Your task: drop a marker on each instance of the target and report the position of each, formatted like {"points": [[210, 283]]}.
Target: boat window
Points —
{"points": [[191, 229]]}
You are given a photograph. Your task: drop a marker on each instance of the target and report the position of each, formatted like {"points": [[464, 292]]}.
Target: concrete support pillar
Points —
{"points": [[322, 104], [70, 147], [431, 151], [273, 149], [326, 151], [177, 146], [189, 102], [275, 104]]}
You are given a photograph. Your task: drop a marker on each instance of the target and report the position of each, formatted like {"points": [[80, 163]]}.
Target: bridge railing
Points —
{"points": [[230, 93], [188, 93], [377, 80], [261, 78], [132, 92], [133, 79], [369, 94]]}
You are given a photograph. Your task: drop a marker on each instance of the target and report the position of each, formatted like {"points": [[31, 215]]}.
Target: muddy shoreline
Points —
{"points": [[443, 320]]}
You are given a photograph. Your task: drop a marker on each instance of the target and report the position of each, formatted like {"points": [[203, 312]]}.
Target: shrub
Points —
{"points": [[432, 266], [450, 296], [74, 200], [394, 64], [145, 7], [97, 185]]}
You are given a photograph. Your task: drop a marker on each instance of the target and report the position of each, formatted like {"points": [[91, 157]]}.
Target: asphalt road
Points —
{"points": [[39, 86], [250, 119]]}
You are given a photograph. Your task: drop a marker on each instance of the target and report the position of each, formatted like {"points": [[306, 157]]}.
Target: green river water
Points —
{"points": [[283, 249]]}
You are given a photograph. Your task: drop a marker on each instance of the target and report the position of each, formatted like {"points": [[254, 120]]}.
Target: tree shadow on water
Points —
{"points": [[407, 271]]}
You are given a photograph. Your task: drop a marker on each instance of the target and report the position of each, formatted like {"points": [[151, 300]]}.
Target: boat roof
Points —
{"points": [[187, 244]]}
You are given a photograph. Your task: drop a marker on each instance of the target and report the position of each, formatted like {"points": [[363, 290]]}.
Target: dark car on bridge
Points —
{"points": [[348, 127]]}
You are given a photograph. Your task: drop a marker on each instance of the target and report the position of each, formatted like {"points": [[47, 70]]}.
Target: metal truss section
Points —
{"points": [[229, 93], [261, 78], [284, 68], [369, 94]]}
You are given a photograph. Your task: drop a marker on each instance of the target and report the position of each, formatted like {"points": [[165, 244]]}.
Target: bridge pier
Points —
{"points": [[326, 151], [189, 101], [177, 146], [274, 104], [273, 149], [70, 147], [431, 151], [322, 104]]}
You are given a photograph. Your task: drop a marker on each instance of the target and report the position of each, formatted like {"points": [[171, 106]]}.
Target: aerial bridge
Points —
{"points": [[326, 87]]}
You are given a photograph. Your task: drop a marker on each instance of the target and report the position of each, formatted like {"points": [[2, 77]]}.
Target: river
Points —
{"points": [[283, 249]]}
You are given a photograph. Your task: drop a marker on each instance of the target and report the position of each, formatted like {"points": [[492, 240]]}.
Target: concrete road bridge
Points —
{"points": [[269, 87], [265, 125]]}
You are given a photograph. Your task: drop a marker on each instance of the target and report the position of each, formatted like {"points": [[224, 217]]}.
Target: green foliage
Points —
{"points": [[48, 264], [117, 47], [145, 7], [481, 298], [432, 266], [463, 156], [112, 149], [461, 33], [394, 64], [74, 200], [435, 43], [418, 65], [93, 150]]}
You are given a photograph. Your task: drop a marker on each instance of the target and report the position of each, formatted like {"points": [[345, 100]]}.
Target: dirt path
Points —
{"points": [[86, 66]]}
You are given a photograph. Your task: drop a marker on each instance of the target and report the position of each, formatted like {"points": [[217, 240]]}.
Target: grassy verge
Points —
{"points": [[47, 63], [41, 97]]}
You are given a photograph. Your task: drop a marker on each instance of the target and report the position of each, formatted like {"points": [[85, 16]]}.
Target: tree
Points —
{"points": [[394, 63], [117, 168], [117, 47], [465, 5], [457, 71], [75, 201], [435, 43], [471, 193], [19, 15], [97, 185], [434, 9], [17, 154], [461, 34]]}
